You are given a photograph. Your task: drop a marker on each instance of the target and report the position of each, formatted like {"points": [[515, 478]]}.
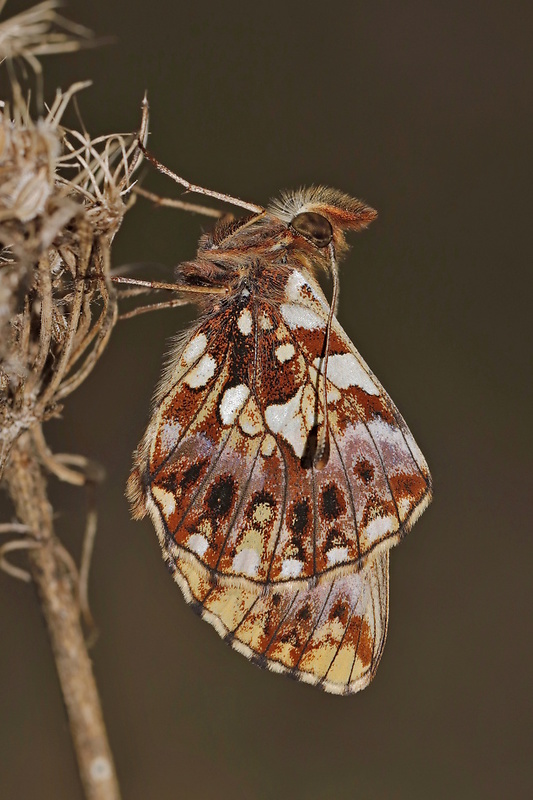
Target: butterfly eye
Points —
{"points": [[314, 227]]}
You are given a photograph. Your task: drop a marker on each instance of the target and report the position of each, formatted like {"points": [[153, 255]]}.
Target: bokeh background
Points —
{"points": [[424, 109]]}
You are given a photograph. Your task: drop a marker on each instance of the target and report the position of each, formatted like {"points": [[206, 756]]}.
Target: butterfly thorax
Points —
{"points": [[251, 255]]}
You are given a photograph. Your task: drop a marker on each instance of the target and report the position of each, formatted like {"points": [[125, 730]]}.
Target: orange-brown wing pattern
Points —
{"points": [[226, 448], [375, 482], [213, 471]]}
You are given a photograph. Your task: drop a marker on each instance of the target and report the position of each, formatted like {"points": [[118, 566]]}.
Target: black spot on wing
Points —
{"points": [[300, 517], [335, 538], [300, 524], [220, 498], [191, 475], [333, 505], [364, 470]]}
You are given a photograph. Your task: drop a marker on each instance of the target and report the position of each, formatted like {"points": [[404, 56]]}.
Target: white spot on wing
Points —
{"points": [[247, 561], [380, 527], [286, 419], [197, 543], [299, 316], [165, 499], [294, 283], [195, 348], [244, 323], [268, 446], [293, 290], [291, 568], [344, 370], [337, 555], [265, 323], [333, 395], [285, 352], [201, 373], [262, 512], [169, 434], [232, 401], [250, 419]]}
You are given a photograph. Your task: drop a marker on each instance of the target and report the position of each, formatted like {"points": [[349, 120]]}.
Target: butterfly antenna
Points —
{"points": [[322, 445], [191, 187]]}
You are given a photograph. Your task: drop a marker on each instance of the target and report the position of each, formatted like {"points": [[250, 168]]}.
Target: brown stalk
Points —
{"points": [[57, 589], [62, 200]]}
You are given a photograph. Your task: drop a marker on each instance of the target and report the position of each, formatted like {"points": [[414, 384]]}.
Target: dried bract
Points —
{"points": [[62, 200]]}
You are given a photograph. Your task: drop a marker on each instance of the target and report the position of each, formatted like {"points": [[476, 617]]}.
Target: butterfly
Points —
{"points": [[276, 469]]}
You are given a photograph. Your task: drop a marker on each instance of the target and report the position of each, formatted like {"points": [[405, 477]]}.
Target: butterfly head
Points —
{"points": [[319, 217]]}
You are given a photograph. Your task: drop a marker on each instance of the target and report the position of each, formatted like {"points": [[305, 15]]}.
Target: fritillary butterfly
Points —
{"points": [[276, 469]]}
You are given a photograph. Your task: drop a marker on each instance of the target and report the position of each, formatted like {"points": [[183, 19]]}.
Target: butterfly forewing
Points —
{"points": [[227, 462]]}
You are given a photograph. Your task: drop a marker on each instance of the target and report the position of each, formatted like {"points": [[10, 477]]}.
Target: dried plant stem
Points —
{"points": [[58, 593]]}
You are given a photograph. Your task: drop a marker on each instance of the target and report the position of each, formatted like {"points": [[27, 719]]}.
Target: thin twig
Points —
{"points": [[154, 307], [11, 547]]}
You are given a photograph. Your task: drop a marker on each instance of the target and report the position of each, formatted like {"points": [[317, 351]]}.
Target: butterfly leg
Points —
{"points": [[170, 287], [190, 292]]}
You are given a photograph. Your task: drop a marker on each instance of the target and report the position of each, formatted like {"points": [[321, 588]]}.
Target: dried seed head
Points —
{"points": [[28, 162], [62, 200]]}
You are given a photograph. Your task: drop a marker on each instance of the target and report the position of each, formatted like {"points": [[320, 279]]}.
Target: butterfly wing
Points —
{"points": [[331, 635], [223, 462], [376, 481], [207, 466]]}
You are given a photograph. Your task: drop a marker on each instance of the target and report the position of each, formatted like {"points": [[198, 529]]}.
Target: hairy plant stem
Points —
{"points": [[56, 585]]}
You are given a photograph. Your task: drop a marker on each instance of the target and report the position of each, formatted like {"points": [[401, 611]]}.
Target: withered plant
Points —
{"points": [[63, 197]]}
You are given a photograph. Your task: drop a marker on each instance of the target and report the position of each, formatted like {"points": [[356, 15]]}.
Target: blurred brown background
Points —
{"points": [[424, 109]]}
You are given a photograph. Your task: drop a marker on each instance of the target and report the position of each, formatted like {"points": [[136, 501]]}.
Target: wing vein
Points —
{"points": [[315, 626], [350, 494]]}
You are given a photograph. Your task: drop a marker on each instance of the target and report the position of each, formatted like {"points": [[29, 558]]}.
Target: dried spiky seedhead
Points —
{"points": [[62, 200]]}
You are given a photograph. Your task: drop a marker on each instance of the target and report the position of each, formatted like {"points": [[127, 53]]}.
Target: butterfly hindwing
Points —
{"points": [[331, 635]]}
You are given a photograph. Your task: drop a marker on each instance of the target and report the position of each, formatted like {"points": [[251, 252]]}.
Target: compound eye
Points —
{"points": [[314, 227]]}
